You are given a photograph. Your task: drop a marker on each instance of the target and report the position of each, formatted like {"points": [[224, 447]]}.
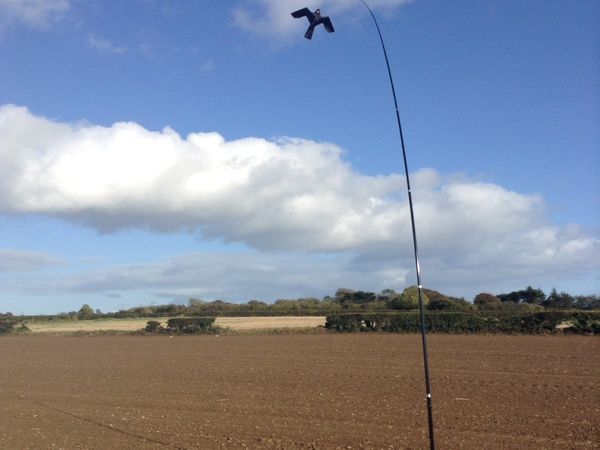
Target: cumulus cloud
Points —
{"points": [[34, 13], [284, 195], [272, 17], [289, 194]]}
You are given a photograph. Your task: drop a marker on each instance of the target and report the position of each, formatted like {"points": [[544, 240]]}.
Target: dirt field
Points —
{"points": [[234, 323], [298, 392]]}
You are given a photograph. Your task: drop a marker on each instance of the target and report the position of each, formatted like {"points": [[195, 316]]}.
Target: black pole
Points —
{"points": [[414, 235]]}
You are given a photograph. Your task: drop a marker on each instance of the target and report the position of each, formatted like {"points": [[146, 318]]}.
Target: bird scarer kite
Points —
{"points": [[314, 19]]}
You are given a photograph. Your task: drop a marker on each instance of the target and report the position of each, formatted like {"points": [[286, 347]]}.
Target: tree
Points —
{"points": [[409, 299], [309, 304], [533, 296], [449, 304], [387, 293], [256, 305], [285, 306], [556, 300], [86, 312], [350, 299], [341, 293], [440, 304], [483, 300], [432, 295], [329, 305], [529, 295], [196, 305], [361, 297]]}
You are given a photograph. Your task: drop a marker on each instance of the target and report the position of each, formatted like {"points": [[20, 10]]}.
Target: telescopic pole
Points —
{"points": [[414, 236]]}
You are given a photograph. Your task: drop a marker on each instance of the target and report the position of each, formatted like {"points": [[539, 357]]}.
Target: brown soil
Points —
{"points": [[298, 392]]}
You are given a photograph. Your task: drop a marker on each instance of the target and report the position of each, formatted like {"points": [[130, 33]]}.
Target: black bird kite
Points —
{"points": [[314, 19]]}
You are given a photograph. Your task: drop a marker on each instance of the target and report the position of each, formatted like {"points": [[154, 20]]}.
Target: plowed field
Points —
{"points": [[298, 392]]}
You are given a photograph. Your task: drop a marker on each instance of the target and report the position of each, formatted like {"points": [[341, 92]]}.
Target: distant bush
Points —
{"points": [[10, 326], [191, 325], [154, 326], [587, 322], [6, 326]]}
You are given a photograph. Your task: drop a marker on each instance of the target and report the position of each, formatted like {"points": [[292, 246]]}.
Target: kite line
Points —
{"points": [[314, 19], [414, 236]]}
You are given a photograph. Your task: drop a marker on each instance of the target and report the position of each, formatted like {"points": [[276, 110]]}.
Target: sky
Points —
{"points": [[155, 151]]}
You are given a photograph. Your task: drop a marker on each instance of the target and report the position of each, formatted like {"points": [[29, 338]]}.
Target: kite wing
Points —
{"points": [[304, 12], [327, 24]]}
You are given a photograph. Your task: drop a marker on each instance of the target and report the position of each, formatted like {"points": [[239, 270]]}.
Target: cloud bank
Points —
{"points": [[239, 276], [12, 260], [287, 195]]}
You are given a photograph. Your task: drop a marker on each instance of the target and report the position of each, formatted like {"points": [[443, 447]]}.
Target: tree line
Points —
{"points": [[347, 300]]}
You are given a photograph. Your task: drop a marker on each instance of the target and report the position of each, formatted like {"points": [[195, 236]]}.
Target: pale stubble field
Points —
{"points": [[233, 323]]}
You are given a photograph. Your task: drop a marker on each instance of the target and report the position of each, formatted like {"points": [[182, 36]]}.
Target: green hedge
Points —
{"points": [[587, 322], [190, 325]]}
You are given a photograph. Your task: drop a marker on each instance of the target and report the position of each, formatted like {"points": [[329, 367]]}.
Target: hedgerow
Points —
{"points": [[587, 322], [191, 325]]}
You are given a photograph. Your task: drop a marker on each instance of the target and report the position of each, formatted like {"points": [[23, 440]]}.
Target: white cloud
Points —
{"points": [[285, 195], [105, 45], [207, 66], [35, 13], [291, 194], [12, 260], [273, 17]]}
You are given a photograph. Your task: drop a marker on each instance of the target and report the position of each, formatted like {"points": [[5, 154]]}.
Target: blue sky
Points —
{"points": [[153, 151]]}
